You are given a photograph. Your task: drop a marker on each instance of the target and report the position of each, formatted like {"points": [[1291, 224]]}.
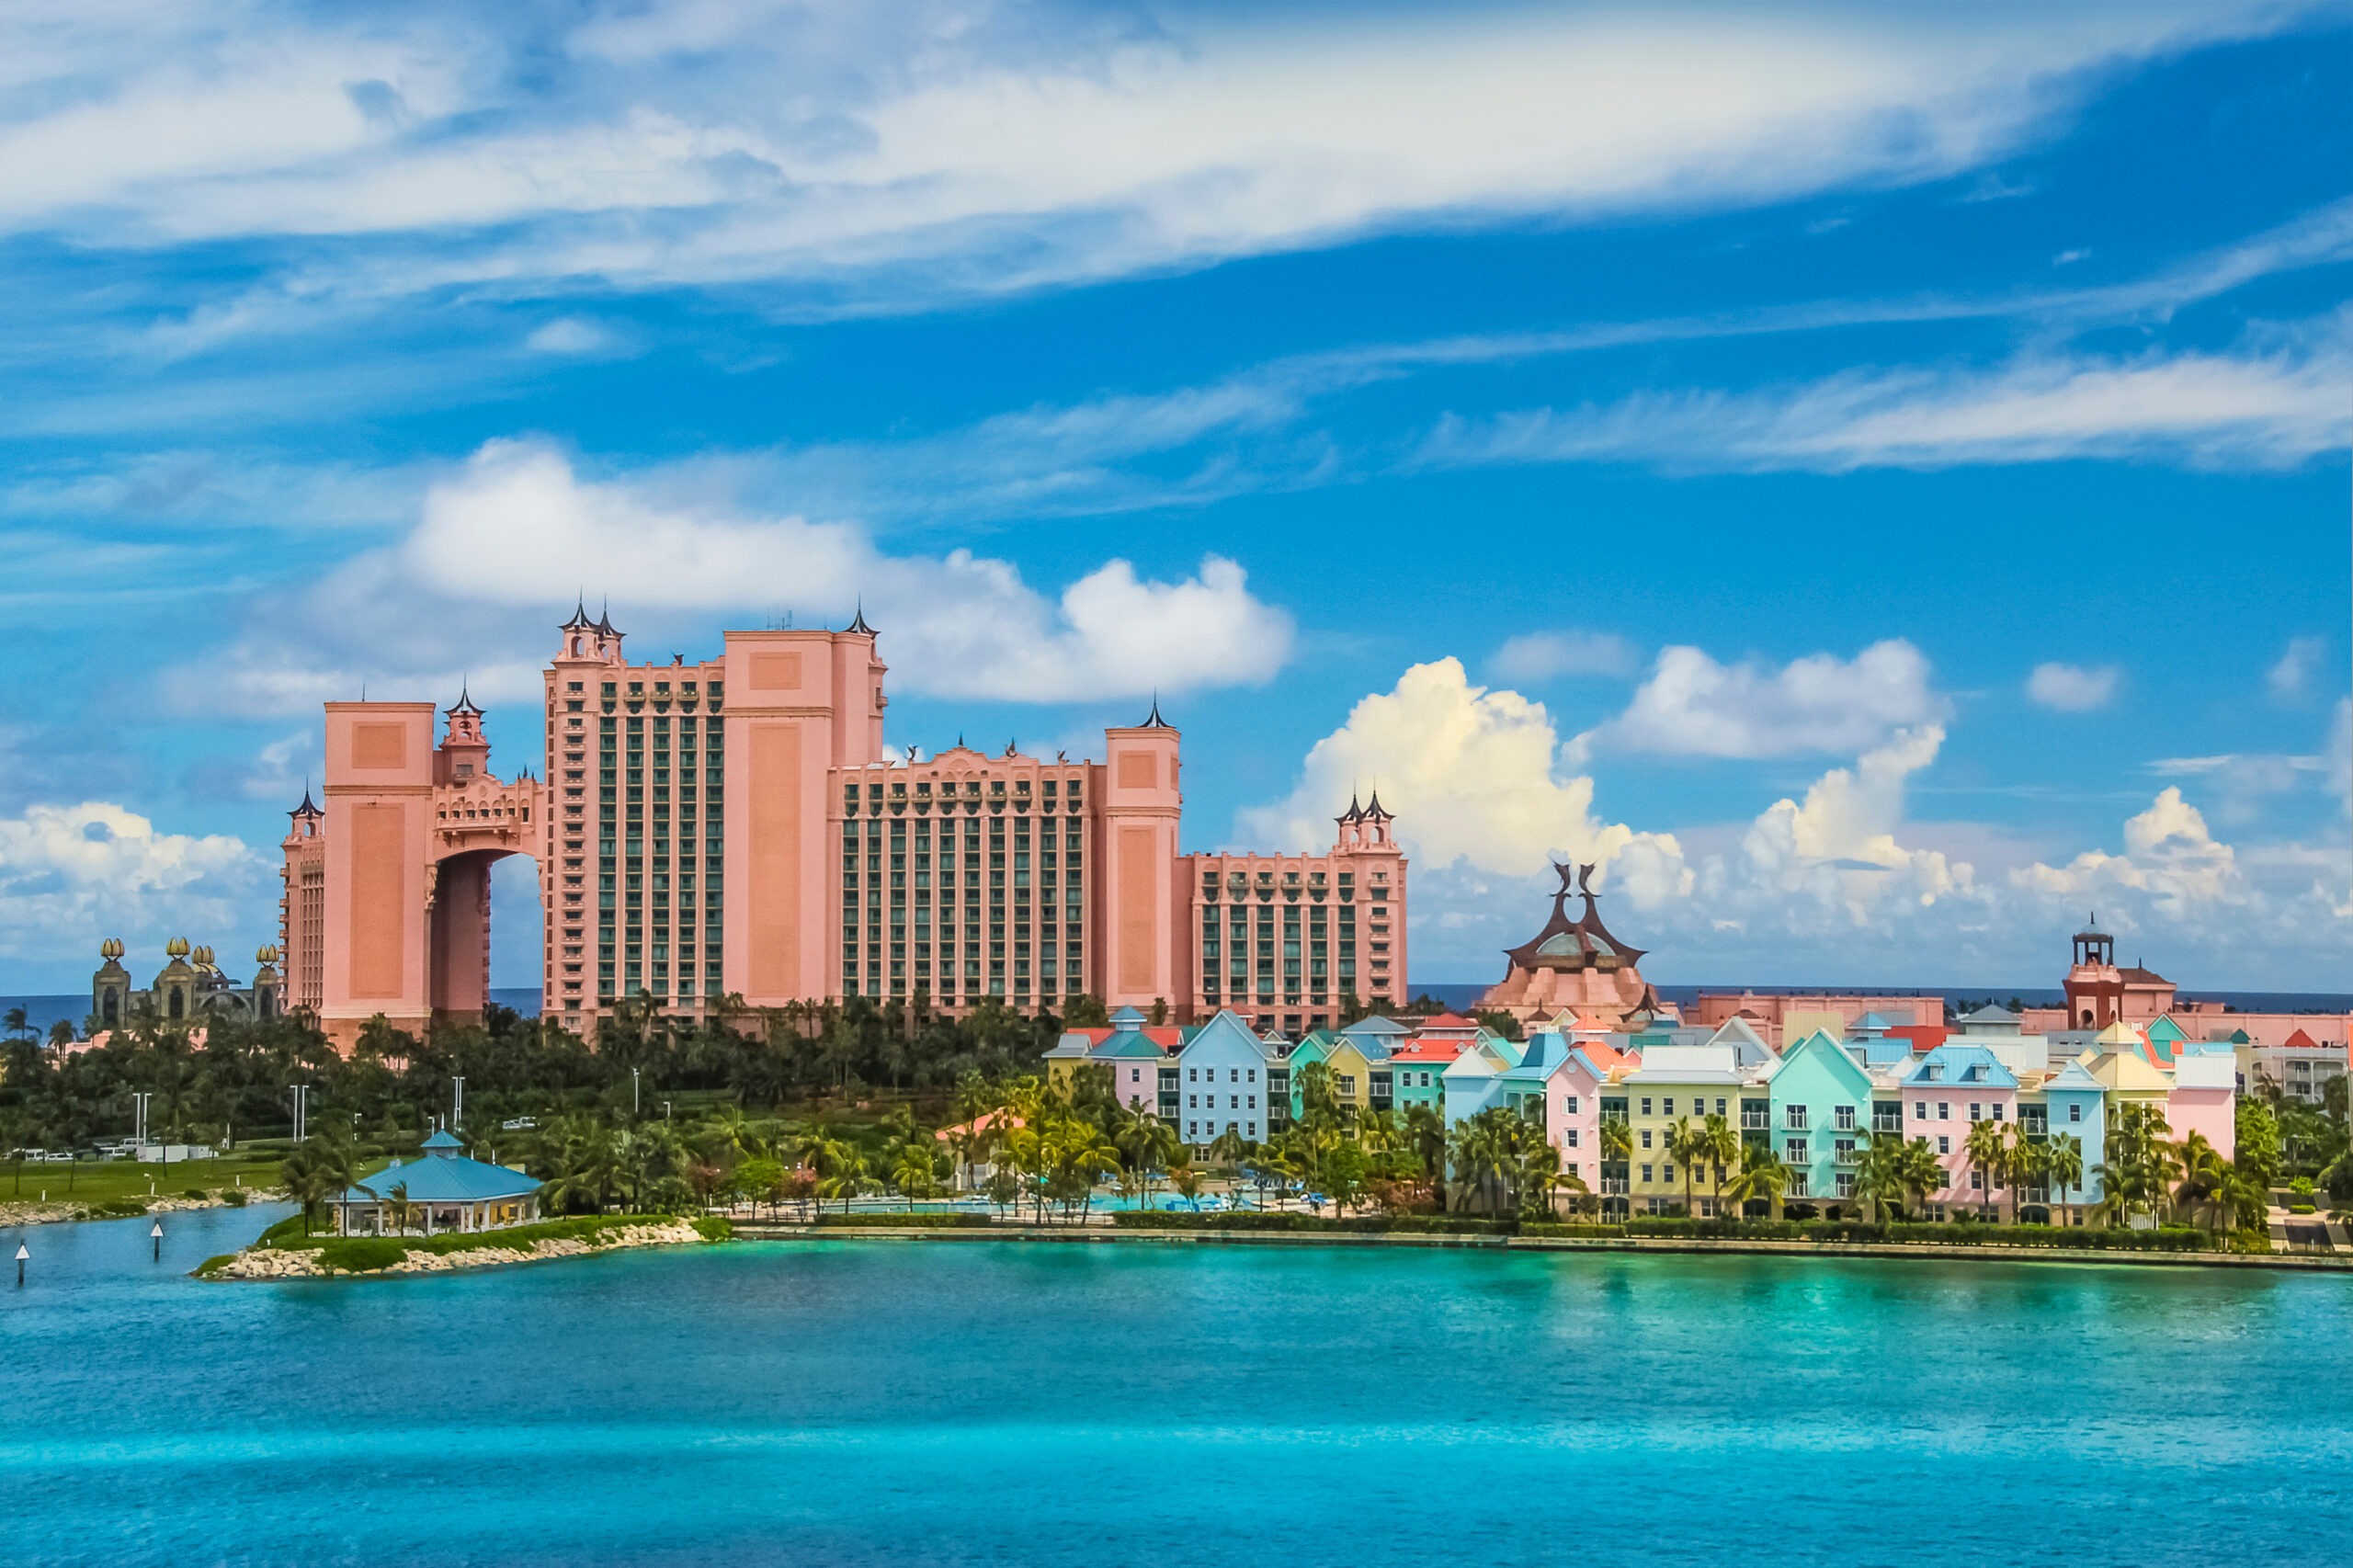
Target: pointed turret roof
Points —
{"points": [[306, 809], [857, 622], [1578, 943], [1155, 721], [1372, 810], [1355, 811], [465, 702], [605, 621], [579, 622]]}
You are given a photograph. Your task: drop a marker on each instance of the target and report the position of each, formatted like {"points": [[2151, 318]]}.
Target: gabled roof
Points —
{"points": [[1127, 1016], [1820, 1045], [1687, 1065], [1958, 1065], [1444, 1021], [1430, 1051], [1545, 1053], [1738, 1031], [2126, 1071], [1377, 1026], [1871, 1023], [2299, 1041], [2073, 1077]]}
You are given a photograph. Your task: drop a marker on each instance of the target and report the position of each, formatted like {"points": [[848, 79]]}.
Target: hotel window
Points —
{"points": [[1843, 1118], [1976, 1110], [2074, 1113], [1568, 1107], [1646, 1137], [1666, 1106], [1572, 1138], [1944, 1111], [1667, 1173], [1647, 1173], [1944, 1145], [1646, 1104], [1997, 1110]]}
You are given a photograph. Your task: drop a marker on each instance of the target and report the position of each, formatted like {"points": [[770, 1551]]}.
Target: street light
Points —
{"points": [[633, 1106], [458, 1102]]}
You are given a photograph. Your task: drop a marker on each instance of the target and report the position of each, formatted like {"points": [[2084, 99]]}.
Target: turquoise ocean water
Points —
{"points": [[869, 1403]]}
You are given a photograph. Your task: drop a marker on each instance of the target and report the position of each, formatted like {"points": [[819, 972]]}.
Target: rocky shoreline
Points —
{"points": [[60, 1212], [305, 1263]]}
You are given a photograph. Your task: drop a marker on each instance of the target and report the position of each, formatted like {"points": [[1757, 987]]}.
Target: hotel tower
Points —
{"points": [[736, 828]]}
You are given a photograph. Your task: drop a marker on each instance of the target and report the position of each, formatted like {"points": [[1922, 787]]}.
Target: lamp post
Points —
{"points": [[633, 1106], [158, 1234], [458, 1102], [301, 1109]]}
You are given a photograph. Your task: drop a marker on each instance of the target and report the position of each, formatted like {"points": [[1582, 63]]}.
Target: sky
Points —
{"points": [[1873, 480]]}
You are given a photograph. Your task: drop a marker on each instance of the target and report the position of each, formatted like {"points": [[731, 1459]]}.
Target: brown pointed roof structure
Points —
{"points": [[1582, 943]]}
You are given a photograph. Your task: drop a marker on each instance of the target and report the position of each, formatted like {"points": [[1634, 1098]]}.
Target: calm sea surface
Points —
{"points": [[840, 1403]]}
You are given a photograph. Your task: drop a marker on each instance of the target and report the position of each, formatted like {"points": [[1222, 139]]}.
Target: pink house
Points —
{"points": [[1574, 1113], [1947, 1092]]}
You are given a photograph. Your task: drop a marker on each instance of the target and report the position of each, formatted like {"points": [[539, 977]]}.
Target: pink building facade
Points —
{"points": [[1289, 940], [1945, 1093], [735, 832]]}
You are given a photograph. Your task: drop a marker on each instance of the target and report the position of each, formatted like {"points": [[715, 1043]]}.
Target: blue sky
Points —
{"points": [[1875, 479]]}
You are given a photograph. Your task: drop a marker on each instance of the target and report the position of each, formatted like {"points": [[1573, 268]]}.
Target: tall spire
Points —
{"points": [[858, 623], [579, 622], [465, 701], [1155, 721]]}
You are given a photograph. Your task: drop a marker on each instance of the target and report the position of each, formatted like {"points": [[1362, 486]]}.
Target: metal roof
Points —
{"points": [[442, 1179]]}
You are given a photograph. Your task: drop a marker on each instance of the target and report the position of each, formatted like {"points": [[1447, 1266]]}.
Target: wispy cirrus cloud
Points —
{"points": [[2268, 405], [887, 155]]}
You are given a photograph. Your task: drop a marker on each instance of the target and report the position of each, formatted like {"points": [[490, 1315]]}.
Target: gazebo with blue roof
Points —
{"points": [[445, 1189]]}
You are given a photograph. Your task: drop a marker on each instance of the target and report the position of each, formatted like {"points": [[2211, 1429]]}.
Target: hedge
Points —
{"points": [[1417, 1224], [2087, 1239], [287, 1235], [361, 1255], [913, 1219]]}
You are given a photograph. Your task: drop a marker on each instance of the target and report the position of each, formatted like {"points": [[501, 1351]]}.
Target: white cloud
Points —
{"points": [[1545, 655], [1694, 705], [570, 335], [515, 530], [1471, 774], [2069, 258], [2072, 688], [2170, 860], [72, 874], [2294, 670], [984, 147], [1833, 887], [2273, 404]]}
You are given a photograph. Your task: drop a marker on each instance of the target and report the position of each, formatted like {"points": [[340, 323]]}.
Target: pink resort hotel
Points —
{"points": [[737, 827]]}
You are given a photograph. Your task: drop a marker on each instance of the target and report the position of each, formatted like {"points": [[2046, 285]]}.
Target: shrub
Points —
{"points": [[2301, 1208], [234, 1197], [215, 1263], [1414, 1224], [921, 1220], [361, 1255], [712, 1227], [195, 1193], [116, 1209]]}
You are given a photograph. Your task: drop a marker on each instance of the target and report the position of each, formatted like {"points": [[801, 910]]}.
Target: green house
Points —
{"points": [[1819, 1115]]}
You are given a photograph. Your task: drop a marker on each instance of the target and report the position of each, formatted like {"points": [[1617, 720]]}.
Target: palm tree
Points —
{"points": [[1686, 1143], [1988, 1149], [397, 1197], [1186, 1181], [1918, 1172], [1720, 1146], [1757, 1174], [1228, 1147], [2203, 1173], [1617, 1147], [1423, 1136], [2062, 1167], [917, 1175]]}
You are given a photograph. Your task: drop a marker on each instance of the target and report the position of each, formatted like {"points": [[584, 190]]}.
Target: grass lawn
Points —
{"points": [[97, 1181]]}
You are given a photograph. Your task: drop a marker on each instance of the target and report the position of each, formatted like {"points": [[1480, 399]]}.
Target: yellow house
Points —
{"points": [[1685, 1084]]}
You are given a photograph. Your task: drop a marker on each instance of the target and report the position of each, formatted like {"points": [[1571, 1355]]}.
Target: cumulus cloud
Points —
{"points": [[500, 541], [1692, 705], [1834, 885], [1472, 774], [72, 874], [2294, 671], [2072, 688], [1545, 655]]}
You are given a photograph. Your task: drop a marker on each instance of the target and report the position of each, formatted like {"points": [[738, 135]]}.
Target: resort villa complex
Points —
{"points": [[1620, 1089]]}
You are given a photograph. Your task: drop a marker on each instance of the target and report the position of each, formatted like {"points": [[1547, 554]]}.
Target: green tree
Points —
{"points": [[1987, 1148], [2062, 1168], [1757, 1175]]}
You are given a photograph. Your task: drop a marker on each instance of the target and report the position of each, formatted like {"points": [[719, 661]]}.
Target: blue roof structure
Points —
{"points": [[442, 1177], [1962, 1065]]}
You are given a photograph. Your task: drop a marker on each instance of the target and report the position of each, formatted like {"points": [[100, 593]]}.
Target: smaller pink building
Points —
{"points": [[1947, 1093]]}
